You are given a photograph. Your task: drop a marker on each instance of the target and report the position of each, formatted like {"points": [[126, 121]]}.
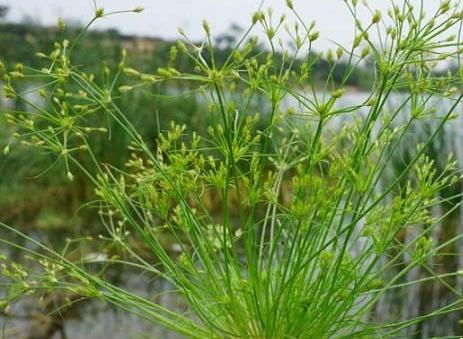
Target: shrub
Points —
{"points": [[287, 222]]}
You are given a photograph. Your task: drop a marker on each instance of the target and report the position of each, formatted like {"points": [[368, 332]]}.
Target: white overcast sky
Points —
{"points": [[162, 17]]}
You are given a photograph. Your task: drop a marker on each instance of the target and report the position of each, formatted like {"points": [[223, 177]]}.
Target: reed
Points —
{"points": [[305, 235]]}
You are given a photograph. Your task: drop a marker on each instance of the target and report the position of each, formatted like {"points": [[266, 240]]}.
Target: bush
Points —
{"points": [[284, 223]]}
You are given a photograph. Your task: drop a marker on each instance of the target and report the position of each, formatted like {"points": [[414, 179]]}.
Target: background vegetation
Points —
{"points": [[39, 198]]}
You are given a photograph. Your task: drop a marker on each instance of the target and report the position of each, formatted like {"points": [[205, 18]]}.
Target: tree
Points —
{"points": [[3, 11]]}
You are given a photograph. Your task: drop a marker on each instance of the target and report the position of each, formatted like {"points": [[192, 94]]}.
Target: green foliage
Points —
{"points": [[282, 218]]}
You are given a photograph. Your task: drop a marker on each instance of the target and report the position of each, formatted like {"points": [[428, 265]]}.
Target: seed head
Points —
{"points": [[173, 52], [182, 47], [314, 36], [365, 53], [329, 56], [123, 58], [180, 31], [19, 67], [206, 27], [138, 9], [124, 89], [373, 101], [70, 176], [132, 72], [257, 16], [376, 17], [444, 7], [61, 24], [55, 54], [290, 4], [376, 283], [339, 93], [99, 12], [6, 150], [270, 33], [9, 92]]}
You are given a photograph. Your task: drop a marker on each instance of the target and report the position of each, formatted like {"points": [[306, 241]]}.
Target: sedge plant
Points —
{"points": [[286, 218]]}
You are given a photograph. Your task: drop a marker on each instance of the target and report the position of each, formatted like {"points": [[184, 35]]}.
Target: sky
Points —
{"points": [[161, 18]]}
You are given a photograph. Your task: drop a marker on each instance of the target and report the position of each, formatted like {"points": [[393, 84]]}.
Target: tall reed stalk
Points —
{"points": [[287, 221]]}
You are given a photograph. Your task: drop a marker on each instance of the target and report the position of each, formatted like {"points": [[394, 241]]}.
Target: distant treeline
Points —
{"points": [[17, 40]]}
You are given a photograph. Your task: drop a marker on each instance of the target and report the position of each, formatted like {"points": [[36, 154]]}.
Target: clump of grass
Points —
{"points": [[286, 222]]}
